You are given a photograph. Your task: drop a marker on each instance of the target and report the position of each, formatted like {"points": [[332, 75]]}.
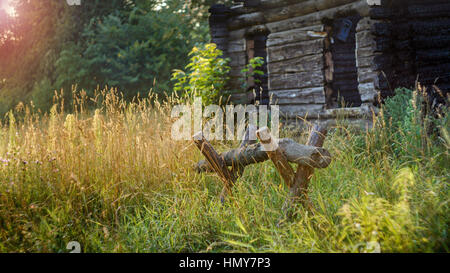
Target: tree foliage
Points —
{"points": [[206, 74], [129, 44]]}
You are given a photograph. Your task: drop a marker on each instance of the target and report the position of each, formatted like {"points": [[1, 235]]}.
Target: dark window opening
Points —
{"points": [[340, 57], [256, 47]]}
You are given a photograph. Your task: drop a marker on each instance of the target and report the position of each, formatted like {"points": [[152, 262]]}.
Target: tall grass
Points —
{"points": [[112, 179]]}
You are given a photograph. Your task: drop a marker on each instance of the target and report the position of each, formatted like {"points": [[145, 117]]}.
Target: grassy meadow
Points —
{"points": [[111, 178]]}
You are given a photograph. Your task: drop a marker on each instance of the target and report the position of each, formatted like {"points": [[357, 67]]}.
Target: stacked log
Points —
{"points": [[430, 29], [345, 78], [295, 49], [366, 52], [295, 67], [414, 40], [307, 67], [218, 26]]}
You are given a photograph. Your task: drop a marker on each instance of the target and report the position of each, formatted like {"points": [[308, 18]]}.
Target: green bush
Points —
{"points": [[408, 129], [130, 45], [206, 75]]}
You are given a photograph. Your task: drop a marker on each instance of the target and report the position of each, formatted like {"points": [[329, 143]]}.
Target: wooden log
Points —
{"points": [[298, 96], [219, 32], [255, 153], [315, 18], [237, 59], [238, 169], [294, 35], [236, 34], [266, 4], [249, 139], [365, 24], [295, 50], [343, 58], [429, 10], [243, 98], [236, 46], [432, 55], [365, 62], [368, 92], [383, 29], [256, 30], [251, 3], [365, 39], [381, 13], [431, 42], [236, 71], [366, 75], [215, 161], [399, 45], [304, 173], [348, 113], [280, 11], [276, 155], [434, 71], [220, 42], [241, 9], [436, 26], [301, 111], [299, 80], [302, 8], [246, 20], [299, 64]]}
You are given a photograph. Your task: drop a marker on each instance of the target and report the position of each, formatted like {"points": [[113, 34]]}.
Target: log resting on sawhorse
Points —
{"points": [[281, 153]]}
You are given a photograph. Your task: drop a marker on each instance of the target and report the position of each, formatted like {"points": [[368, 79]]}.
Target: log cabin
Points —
{"points": [[326, 58]]}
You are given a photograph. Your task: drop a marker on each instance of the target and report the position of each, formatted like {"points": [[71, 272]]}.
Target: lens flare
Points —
{"points": [[7, 7]]}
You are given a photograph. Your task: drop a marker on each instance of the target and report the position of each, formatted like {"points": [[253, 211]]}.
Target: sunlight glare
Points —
{"points": [[7, 7]]}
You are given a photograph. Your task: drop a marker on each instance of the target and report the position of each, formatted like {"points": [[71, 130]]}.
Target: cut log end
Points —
{"points": [[264, 135], [198, 136]]}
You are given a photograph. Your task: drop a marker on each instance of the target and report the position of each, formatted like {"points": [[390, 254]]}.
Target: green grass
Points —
{"points": [[115, 182]]}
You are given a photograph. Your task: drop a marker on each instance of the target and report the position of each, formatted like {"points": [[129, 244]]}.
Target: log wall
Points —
{"points": [[344, 82], [389, 46], [368, 73], [413, 38]]}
